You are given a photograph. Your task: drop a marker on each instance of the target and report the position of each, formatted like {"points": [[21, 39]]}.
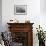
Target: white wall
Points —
{"points": [[0, 15], [33, 10], [43, 14], [43, 6]]}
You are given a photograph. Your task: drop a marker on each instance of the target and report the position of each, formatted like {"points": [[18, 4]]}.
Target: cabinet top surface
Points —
{"points": [[19, 23]]}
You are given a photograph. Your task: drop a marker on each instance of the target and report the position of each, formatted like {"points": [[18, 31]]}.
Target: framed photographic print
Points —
{"points": [[20, 9]]}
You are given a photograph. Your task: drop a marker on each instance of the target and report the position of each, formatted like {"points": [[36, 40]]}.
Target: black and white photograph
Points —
{"points": [[20, 9]]}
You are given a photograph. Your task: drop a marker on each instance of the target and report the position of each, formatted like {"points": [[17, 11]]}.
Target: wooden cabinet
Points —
{"points": [[22, 33]]}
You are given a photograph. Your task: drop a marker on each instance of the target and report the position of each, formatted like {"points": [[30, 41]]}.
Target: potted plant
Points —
{"points": [[41, 36]]}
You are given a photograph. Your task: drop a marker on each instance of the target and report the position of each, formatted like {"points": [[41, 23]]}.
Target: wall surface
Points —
{"points": [[43, 14], [33, 11], [0, 15], [33, 14], [43, 6]]}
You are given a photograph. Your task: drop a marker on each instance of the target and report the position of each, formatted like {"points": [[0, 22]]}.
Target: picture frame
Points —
{"points": [[20, 9]]}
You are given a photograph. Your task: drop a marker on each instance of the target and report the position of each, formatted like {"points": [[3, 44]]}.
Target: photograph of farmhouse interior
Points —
{"points": [[22, 23]]}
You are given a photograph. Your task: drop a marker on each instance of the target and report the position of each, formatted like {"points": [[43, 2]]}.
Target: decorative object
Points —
{"points": [[20, 9], [27, 21], [41, 36], [13, 21]]}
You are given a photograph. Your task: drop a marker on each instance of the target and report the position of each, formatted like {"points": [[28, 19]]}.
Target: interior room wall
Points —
{"points": [[0, 15], [33, 11], [43, 14], [43, 6], [33, 14]]}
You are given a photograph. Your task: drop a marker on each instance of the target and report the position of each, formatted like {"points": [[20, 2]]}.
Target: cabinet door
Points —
{"points": [[20, 37]]}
